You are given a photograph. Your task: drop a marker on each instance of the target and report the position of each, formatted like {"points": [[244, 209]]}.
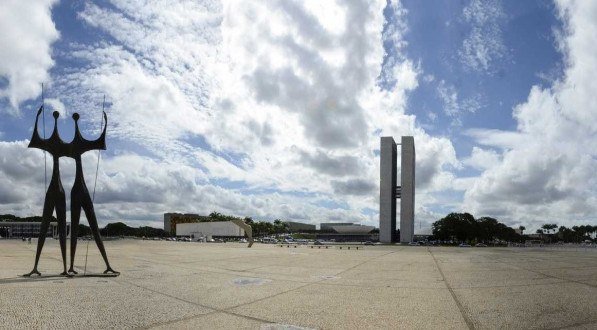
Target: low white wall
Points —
{"points": [[204, 229]]}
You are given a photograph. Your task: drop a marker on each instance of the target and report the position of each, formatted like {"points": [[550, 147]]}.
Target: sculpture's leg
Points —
{"points": [[249, 232], [61, 216], [90, 214], [247, 228], [75, 214], [45, 224]]}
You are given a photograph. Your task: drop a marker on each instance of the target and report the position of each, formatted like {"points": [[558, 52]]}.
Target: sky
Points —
{"points": [[275, 109]]}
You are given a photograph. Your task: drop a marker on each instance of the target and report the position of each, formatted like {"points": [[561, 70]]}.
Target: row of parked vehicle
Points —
{"points": [[191, 239]]}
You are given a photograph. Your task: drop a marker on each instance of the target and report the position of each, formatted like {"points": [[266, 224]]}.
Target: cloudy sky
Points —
{"points": [[275, 109]]}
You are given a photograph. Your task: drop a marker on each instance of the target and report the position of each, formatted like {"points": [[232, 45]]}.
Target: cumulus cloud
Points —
{"points": [[25, 51], [548, 163], [482, 159], [265, 109], [353, 187]]}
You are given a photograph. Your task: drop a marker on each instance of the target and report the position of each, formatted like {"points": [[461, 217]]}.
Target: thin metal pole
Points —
{"points": [[96, 172], [99, 152], [43, 115]]}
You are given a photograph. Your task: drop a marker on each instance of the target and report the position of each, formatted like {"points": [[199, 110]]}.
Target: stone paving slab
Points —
{"points": [[530, 307], [177, 285]]}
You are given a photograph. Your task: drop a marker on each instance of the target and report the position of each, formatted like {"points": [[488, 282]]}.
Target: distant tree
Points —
{"points": [[548, 228], [455, 226], [83, 230], [122, 229], [280, 227], [464, 227], [522, 228]]}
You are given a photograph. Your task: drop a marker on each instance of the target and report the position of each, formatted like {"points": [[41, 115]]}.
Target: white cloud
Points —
{"points": [[25, 48], [484, 44], [548, 163], [482, 159], [280, 97], [453, 106], [53, 104]]}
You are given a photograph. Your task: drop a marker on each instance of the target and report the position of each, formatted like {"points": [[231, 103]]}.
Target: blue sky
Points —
{"points": [[274, 110]]}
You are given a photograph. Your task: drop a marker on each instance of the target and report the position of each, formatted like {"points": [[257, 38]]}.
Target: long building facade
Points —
{"points": [[294, 226], [210, 229], [172, 219], [18, 229]]}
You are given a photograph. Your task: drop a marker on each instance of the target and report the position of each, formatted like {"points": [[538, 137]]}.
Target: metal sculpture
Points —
{"points": [[80, 198], [247, 228], [55, 198]]}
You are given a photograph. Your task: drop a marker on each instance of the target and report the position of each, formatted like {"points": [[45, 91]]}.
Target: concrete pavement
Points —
{"points": [[201, 285]]}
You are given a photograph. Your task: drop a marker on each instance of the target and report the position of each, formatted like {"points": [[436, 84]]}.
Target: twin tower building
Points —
{"points": [[389, 191]]}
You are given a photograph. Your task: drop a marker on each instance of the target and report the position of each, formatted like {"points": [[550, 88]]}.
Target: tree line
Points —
{"points": [[575, 234], [464, 227]]}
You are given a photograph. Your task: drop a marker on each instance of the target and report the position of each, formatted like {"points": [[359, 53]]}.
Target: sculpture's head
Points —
{"points": [[75, 116], [56, 114]]}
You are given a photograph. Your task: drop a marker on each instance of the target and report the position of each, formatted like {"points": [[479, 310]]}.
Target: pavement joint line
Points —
{"points": [[467, 320], [212, 309], [366, 261], [547, 275], [308, 284], [228, 310], [506, 286], [259, 275], [575, 325], [227, 273]]}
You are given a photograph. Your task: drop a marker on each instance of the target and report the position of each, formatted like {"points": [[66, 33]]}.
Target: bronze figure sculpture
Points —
{"points": [[80, 198], [55, 198]]}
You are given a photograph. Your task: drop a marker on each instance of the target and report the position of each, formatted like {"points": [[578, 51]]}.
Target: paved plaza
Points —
{"points": [[201, 285]]}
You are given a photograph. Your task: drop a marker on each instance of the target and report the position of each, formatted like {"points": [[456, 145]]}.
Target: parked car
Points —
{"points": [[368, 243], [413, 244], [464, 245], [318, 242], [480, 245]]}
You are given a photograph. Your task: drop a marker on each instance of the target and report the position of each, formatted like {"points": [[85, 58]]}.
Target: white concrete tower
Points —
{"points": [[389, 191], [407, 195]]}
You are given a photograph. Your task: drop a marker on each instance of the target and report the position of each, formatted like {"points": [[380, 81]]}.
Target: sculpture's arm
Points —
{"points": [[36, 140], [100, 143]]}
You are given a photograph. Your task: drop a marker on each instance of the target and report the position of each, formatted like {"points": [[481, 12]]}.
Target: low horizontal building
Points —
{"points": [[218, 229], [18, 229], [172, 219], [343, 232], [299, 226], [328, 225]]}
